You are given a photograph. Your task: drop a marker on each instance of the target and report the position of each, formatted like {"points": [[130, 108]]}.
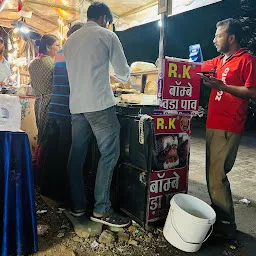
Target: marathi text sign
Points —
{"points": [[163, 185], [170, 173], [171, 124], [181, 89]]}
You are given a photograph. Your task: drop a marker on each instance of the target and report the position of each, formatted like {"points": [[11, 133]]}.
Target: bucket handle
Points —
{"points": [[175, 228]]}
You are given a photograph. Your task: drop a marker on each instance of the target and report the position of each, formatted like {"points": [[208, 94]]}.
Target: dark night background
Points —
{"points": [[197, 26]]}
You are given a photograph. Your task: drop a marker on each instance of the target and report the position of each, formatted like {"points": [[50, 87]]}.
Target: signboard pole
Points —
{"points": [[178, 91], [164, 6], [163, 33]]}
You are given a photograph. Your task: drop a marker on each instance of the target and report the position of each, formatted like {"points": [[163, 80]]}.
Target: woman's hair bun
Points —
{"points": [[38, 42], [44, 42]]}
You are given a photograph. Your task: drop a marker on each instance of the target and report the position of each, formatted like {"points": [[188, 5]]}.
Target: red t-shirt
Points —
{"points": [[225, 111]]}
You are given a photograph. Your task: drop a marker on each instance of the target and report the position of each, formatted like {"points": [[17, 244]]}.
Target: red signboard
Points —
{"points": [[181, 89], [168, 124], [163, 185], [170, 173]]}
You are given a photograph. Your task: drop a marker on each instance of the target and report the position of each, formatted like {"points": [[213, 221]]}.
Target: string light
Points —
{"points": [[64, 13], [60, 36], [61, 22], [60, 32], [65, 2]]}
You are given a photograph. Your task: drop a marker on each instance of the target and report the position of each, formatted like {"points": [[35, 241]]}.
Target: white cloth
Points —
{"points": [[89, 52], [10, 113], [5, 70]]}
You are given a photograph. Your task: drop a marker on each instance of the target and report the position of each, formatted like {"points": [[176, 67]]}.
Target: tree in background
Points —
{"points": [[248, 18]]}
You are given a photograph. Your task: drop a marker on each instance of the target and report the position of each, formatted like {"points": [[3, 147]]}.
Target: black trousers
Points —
{"points": [[54, 175]]}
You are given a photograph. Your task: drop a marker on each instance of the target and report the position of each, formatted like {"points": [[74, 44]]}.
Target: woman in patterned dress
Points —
{"points": [[41, 74]]}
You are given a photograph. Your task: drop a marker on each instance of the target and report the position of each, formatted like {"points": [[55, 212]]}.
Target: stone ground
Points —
{"points": [[242, 177], [61, 240]]}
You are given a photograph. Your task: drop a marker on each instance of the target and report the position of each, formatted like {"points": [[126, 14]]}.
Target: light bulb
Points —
{"points": [[65, 2], [64, 13], [160, 24], [16, 30], [60, 36], [61, 22], [15, 46], [24, 30]]}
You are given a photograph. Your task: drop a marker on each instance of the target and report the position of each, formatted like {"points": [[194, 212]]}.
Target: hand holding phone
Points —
{"points": [[204, 75]]}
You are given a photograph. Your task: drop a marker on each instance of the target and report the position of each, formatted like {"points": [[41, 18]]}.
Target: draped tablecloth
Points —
{"points": [[28, 120], [18, 228]]}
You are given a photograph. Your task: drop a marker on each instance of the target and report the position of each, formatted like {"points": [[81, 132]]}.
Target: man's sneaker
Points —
{"points": [[113, 219], [235, 244], [77, 213]]}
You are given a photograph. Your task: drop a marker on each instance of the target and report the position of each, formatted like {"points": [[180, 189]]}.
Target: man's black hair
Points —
{"points": [[99, 9], [234, 27], [74, 28]]}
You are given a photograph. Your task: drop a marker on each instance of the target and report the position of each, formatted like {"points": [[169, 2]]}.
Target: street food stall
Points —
{"points": [[155, 107], [21, 19], [155, 139]]}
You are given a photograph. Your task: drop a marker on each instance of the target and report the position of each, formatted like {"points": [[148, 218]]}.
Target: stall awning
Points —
{"points": [[127, 13]]}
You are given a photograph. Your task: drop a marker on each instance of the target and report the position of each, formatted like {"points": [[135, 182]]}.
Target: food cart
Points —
{"points": [[155, 119], [155, 141]]}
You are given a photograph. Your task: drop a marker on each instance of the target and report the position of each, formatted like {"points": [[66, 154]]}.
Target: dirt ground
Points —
{"points": [[153, 243], [61, 240]]}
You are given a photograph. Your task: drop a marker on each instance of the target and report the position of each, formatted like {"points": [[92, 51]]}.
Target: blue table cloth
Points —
{"points": [[18, 228]]}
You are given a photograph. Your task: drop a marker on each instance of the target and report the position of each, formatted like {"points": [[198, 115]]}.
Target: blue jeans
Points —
{"points": [[106, 128]]}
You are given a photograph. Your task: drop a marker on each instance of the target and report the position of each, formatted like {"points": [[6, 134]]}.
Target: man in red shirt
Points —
{"points": [[233, 84]]}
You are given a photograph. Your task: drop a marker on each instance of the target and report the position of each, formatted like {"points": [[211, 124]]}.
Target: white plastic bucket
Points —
{"points": [[188, 222]]}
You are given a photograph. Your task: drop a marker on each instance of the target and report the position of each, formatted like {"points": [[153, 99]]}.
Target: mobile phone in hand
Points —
{"points": [[204, 75]]}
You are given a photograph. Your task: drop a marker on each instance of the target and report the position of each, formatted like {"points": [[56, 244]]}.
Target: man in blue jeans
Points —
{"points": [[89, 52], [54, 178]]}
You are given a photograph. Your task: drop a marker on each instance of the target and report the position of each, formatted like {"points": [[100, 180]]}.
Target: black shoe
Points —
{"points": [[215, 239], [235, 244], [112, 219], [228, 231]]}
